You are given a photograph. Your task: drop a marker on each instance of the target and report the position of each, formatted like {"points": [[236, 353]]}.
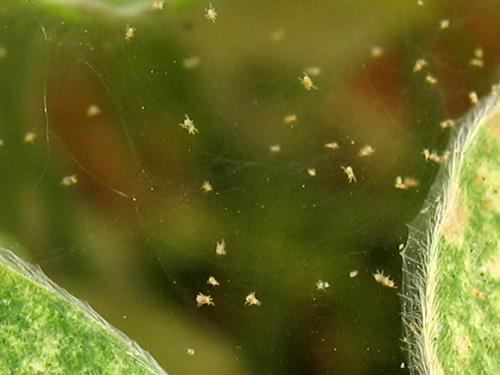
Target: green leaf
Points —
{"points": [[43, 329], [451, 263]]}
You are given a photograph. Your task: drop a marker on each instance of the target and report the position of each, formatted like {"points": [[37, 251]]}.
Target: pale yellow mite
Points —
{"points": [[251, 300], [307, 82], [477, 61], [405, 183], [203, 299], [474, 99], [188, 124], [311, 172], [129, 32], [332, 145], [275, 148], [191, 62], [213, 281], [157, 5], [190, 351], [290, 119], [376, 52], [220, 247], [447, 124], [384, 280], [350, 174], [211, 13], [322, 285], [444, 24], [69, 180], [435, 157], [431, 79], [93, 110], [206, 187], [353, 273], [420, 64], [30, 137], [366, 151]]}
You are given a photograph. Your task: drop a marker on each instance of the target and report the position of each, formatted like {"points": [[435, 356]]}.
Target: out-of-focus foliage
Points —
{"points": [[136, 235]]}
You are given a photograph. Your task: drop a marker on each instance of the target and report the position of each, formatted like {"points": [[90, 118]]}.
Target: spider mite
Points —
{"points": [[211, 13], [350, 174], [384, 280], [307, 82], [202, 299], [251, 300]]}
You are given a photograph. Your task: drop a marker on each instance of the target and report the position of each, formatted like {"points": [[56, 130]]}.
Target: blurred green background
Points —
{"points": [[136, 235]]}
